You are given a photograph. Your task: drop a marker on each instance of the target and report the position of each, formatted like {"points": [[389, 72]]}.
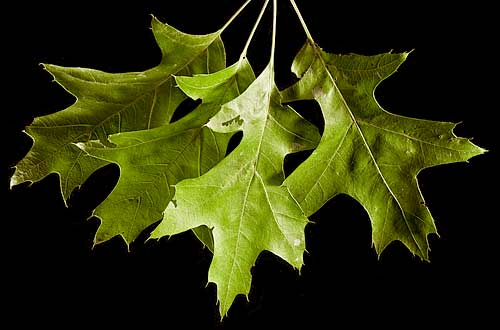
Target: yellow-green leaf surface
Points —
{"points": [[241, 199], [212, 89], [116, 103], [366, 152], [152, 161]]}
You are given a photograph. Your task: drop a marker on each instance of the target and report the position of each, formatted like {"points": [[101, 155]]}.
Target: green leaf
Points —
{"points": [[367, 153], [155, 160], [151, 161], [207, 87], [241, 199], [109, 103]]}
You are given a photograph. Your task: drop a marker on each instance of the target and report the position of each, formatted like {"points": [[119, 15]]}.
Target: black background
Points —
{"points": [[54, 276]]}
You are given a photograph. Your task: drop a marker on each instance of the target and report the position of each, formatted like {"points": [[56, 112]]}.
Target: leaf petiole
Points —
{"points": [[302, 22], [273, 42], [252, 33], [232, 18]]}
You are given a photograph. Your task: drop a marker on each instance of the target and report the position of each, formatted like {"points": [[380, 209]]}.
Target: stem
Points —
{"points": [[273, 42], [302, 22], [250, 37], [235, 15]]}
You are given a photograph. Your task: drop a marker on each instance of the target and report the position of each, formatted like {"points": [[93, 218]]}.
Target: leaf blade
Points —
{"points": [[367, 152], [241, 199], [111, 108]]}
